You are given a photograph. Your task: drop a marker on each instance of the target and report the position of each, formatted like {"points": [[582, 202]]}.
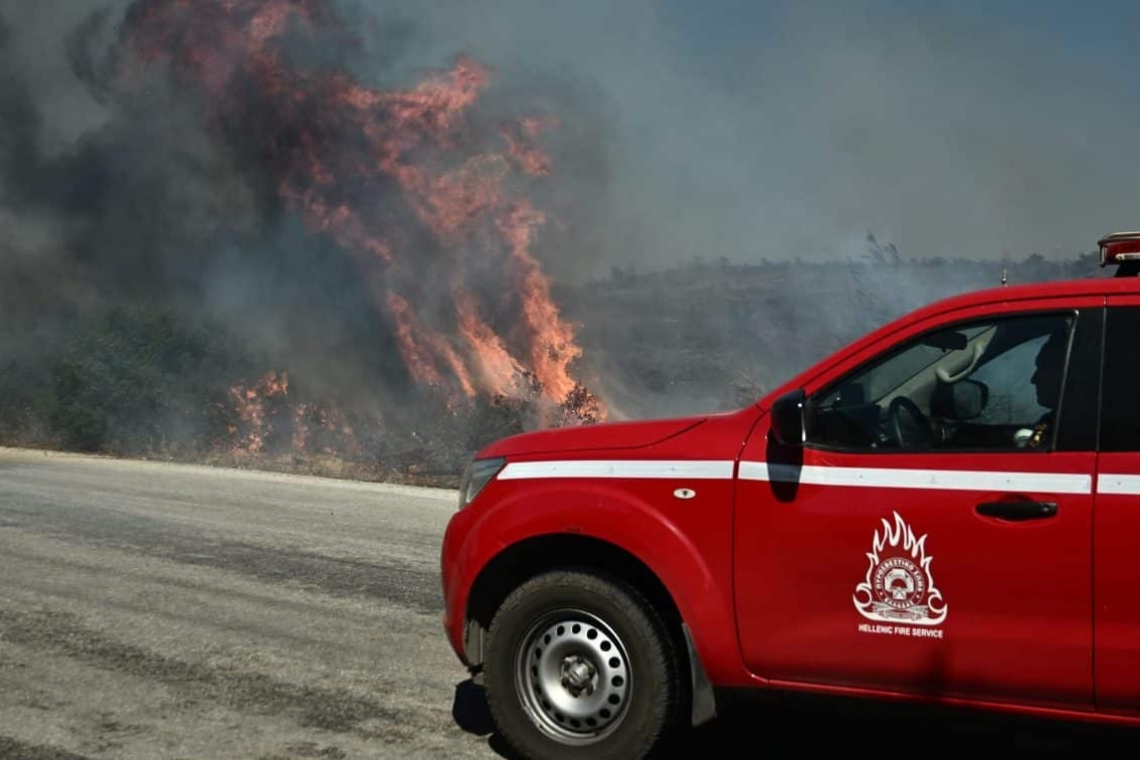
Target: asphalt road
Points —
{"points": [[150, 610]]}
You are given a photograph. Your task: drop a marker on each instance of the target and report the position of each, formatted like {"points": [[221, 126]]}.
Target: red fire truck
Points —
{"points": [[948, 509]]}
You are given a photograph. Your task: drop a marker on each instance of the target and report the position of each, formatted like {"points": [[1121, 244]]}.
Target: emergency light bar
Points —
{"points": [[1121, 248]]}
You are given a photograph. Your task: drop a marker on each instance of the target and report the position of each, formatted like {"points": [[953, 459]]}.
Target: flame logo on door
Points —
{"points": [[899, 586]]}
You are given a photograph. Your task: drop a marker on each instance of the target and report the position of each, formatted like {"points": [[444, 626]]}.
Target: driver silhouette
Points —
{"points": [[1047, 377]]}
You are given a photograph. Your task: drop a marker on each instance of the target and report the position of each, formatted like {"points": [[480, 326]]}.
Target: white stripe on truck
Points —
{"points": [[1124, 485], [865, 477], [703, 469], [934, 480]]}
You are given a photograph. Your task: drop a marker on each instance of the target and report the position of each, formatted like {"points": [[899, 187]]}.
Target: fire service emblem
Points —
{"points": [[899, 587]]}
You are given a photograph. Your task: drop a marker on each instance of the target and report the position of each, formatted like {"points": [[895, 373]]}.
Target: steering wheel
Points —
{"points": [[919, 433]]}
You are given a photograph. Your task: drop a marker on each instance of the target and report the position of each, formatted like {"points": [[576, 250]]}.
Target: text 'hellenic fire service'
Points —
{"points": [[898, 593]]}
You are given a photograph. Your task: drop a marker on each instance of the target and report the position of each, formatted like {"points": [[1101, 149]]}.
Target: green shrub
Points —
{"points": [[136, 380]]}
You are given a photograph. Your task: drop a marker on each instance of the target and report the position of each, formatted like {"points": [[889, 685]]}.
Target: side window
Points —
{"points": [[1120, 416], [1015, 405], [986, 385]]}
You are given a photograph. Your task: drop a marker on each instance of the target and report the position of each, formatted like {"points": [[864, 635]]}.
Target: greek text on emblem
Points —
{"points": [[899, 587]]}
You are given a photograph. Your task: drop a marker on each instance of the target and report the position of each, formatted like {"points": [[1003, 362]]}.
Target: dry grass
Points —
{"points": [[331, 466]]}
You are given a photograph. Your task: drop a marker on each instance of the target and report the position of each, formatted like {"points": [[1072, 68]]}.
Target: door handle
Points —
{"points": [[1017, 511]]}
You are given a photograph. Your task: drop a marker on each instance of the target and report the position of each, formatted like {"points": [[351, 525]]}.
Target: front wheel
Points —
{"points": [[579, 666]]}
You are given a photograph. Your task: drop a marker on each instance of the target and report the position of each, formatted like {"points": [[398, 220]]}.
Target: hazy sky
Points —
{"points": [[781, 129], [755, 129]]}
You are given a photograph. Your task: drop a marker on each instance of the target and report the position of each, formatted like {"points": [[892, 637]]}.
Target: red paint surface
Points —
{"points": [[1040, 616]]}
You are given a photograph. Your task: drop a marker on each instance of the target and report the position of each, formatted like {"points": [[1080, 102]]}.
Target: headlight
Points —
{"points": [[477, 475]]}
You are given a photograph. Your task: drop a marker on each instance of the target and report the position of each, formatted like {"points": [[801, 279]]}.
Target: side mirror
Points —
{"points": [[788, 418]]}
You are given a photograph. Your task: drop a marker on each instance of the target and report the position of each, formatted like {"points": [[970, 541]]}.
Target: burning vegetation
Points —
{"points": [[364, 166], [277, 246], [416, 200]]}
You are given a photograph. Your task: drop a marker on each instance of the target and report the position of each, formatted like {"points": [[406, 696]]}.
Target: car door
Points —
{"points": [[954, 563], [1117, 522]]}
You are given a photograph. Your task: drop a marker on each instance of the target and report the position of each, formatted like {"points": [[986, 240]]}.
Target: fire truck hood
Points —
{"points": [[600, 436]]}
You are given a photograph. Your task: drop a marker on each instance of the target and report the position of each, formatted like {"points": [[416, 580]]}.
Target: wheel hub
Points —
{"points": [[574, 677], [578, 675]]}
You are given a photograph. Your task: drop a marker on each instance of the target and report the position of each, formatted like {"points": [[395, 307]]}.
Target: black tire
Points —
{"points": [[578, 665]]}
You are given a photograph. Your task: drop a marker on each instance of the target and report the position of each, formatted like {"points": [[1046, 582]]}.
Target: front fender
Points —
{"points": [[686, 544]]}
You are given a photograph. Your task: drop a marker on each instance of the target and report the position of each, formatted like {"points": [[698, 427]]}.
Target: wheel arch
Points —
{"points": [[534, 555]]}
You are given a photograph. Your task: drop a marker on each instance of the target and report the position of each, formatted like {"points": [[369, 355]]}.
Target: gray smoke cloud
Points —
{"points": [[687, 131], [754, 131], [163, 192], [792, 129]]}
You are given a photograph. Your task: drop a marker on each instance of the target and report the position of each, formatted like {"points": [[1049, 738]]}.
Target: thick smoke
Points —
{"points": [[785, 129], [249, 165], [271, 166]]}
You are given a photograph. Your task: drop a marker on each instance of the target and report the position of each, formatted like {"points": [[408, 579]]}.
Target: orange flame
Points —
{"points": [[338, 148], [519, 139], [551, 341], [500, 370], [250, 404], [426, 351]]}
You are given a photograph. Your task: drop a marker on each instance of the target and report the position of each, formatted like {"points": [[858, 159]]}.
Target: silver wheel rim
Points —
{"points": [[573, 676]]}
